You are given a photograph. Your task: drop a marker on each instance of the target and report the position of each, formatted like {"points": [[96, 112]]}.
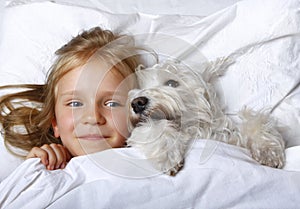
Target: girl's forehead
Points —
{"points": [[90, 79]]}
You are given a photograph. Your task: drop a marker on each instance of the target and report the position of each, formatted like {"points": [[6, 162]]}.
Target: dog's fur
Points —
{"points": [[176, 105]]}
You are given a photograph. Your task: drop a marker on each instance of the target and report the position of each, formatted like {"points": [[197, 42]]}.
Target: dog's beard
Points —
{"points": [[155, 104], [156, 113]]}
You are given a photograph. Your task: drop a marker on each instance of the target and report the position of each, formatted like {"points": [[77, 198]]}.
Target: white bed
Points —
{"points": [[215, 175]]}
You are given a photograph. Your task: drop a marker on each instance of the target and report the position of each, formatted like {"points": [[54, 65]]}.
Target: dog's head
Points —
{"points": [[171, 91]]}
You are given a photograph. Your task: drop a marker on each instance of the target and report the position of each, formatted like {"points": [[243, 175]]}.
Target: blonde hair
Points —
{"points": [[26, 116]]}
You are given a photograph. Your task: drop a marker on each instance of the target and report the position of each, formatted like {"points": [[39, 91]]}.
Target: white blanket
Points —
{"points": [[215, 175]]}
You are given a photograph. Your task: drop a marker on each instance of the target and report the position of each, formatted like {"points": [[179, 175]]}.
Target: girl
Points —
{"points": [[81, 107]]}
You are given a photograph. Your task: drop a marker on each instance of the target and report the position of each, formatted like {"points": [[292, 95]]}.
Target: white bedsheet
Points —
{"points": [[216, 175]]}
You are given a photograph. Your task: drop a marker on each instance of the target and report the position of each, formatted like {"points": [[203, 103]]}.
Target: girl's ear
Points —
{"points": [[55, 128]]}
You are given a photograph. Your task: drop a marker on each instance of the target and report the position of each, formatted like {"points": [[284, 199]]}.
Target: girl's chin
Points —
{"points": [[92, 146]]}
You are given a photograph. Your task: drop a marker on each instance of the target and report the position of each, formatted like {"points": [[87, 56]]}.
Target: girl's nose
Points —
{"points": [[93, 118]]}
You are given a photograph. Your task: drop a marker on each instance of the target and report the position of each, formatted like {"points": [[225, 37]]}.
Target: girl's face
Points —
{"points": [[90, 109]]}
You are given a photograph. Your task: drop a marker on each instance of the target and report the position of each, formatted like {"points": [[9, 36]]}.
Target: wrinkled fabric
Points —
{"points": [[122, 178]]}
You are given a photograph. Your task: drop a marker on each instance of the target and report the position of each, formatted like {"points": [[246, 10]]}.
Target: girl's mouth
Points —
{"points": [[92, 137]]}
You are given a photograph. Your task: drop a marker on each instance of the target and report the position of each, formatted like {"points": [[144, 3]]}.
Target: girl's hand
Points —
{"points": [[53, 156]]}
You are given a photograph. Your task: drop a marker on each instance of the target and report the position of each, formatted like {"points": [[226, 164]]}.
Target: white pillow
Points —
{"points": [[263, 75], [163, 7], [8, 162]]}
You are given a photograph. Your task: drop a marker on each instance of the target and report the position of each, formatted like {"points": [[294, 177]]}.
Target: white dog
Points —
{"points": [[176, 105]]}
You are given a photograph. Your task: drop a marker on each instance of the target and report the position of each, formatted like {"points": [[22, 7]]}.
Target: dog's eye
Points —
{"points": [[172, 83]]}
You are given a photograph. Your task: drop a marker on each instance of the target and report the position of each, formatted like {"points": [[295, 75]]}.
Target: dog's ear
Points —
{"points": [[171, 66], [139, 67], [215, 69]]}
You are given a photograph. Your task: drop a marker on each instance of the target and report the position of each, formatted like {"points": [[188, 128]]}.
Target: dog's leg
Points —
{"points": [[262, 138], [162, 143]]}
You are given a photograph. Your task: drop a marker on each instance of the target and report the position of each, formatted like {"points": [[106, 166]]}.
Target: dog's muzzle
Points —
{"points": [[139, 104]]}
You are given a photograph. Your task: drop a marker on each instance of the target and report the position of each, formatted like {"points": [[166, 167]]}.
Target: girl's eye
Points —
{"points": [[172, 83], [112, 104], [75, 104]]}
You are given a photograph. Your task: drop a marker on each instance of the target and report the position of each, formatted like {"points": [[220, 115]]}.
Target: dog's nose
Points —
{"points": [[139, 104]]}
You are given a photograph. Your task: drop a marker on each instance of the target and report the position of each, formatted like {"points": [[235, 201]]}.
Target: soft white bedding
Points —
{"points": [[260, 77], [216, 175]]}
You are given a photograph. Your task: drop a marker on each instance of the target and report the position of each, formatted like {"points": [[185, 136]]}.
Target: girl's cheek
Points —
{"points": [[121, 124], [67, 121], [74, 116]]}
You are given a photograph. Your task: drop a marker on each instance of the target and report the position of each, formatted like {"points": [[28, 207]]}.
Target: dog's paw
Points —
{"points": [[173, 171], [262, 137], [272, 156]]}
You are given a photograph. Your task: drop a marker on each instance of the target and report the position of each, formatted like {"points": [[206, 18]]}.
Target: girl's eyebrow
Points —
{"points": [[74, 92], [114, 93], [70, 92]]}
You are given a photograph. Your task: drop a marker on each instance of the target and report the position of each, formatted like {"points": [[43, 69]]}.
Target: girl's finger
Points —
{"points": [[60, 155], [40, 153], [51, 156]]}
